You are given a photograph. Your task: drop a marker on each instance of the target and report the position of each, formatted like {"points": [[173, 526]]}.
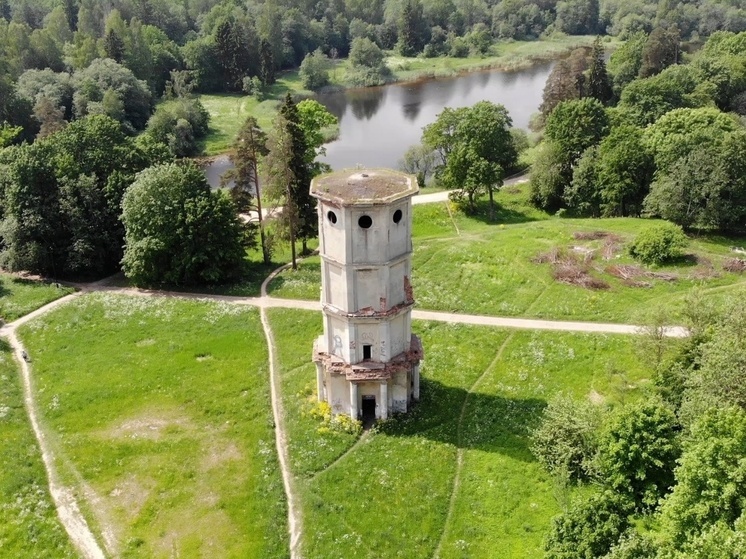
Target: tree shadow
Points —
{"points": [[504, 214], [491, 423]]}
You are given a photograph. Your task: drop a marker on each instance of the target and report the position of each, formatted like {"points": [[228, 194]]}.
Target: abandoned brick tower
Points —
{"points": [[367, 360]]}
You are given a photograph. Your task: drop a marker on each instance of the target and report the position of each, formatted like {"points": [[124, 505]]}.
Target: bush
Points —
{"points": [[589, 529], [658, 244], [314, 70], [565, 443], [638, 451]]}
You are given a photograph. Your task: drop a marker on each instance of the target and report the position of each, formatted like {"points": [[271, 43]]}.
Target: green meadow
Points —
{"points": [[391, 491], [469, 264], [19, 296], [160, 409]]}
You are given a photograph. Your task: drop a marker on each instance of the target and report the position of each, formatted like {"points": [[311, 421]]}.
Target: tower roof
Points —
{"points": [[364, 186]]}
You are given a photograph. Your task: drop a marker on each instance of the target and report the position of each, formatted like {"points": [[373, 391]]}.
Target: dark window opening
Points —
{"points": [[369, 409], [397, 216], [367, 350], [365, 221], [331, 216]]}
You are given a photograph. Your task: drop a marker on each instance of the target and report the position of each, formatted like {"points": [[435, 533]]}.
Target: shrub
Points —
{"points": [[658, 244], [589, 529], [564, 443]]}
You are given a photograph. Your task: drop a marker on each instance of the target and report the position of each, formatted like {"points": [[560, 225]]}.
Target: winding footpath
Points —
{"points": [[64, 497]]}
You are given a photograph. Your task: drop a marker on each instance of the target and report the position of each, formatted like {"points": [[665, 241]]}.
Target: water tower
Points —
{"points": [[367, 360]]}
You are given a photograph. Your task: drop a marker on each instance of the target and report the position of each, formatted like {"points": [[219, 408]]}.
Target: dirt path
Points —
{"points": [[63, 497], [295, 523]]}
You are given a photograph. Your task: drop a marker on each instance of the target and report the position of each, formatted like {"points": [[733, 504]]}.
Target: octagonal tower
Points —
{"points": [[367, 360]]}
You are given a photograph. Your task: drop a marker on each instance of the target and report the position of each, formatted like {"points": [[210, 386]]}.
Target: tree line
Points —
{"points": [[659, 132], [89, 199]]}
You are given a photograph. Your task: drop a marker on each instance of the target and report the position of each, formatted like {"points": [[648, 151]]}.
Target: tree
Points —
{"points": [[280, 178], [249, 148], [302, 172], [411, 34], [476, 146], [577, 17], [314, 118], [589, 529], [565, 82], [418, 160], [178, 232], [599, 85], [680, 131], [661, 50], [367, 61], [114, 46], [624, 64], [314, 70], [638, 450], [51, 117], [710, 478]]}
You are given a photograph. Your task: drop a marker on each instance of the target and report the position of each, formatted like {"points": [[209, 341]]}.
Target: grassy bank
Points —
{"points": [[19, 296], [29, 527], [392, 491], [228, 111], [468, 264], [161, 408]]}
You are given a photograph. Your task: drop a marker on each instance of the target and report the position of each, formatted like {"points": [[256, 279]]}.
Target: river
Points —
{"points": [[378, 124]]}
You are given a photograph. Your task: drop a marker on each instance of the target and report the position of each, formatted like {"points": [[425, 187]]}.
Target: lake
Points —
{"points": [[378, 124]]}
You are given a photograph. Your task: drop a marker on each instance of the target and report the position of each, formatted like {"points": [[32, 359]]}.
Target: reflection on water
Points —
{"points": [[377, 125]]}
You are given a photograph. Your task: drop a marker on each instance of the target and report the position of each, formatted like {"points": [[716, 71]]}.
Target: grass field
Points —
{"points": [[160, 409], [392, 491], [29, 528], [19, 296], [471, 265]]}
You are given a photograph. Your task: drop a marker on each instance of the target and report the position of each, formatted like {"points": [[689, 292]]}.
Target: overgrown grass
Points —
{"points": [[29, 527], [468, 264], [160, 407], [19, 296], [392, 492]]}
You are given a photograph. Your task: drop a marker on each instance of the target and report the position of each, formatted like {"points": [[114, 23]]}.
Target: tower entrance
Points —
{"points": [[369, 410]]}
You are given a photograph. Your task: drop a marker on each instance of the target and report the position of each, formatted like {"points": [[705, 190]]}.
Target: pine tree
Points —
{"points": [[249, 148], [267, 63], [114, 45], [599, 84], [299, 190]]}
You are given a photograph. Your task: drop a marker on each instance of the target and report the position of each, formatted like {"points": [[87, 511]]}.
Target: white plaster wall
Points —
{"points": [[335, 285], [367, 334], [400, 392], [398, 335], [338, 337], [332, 235], [339, 393], [368, 288], [369, 245], [396, 283], [399, 234]]}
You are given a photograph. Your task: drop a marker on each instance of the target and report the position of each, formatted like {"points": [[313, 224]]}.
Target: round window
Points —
{"points": [[365, 221], [397, 216], [331, 216]]}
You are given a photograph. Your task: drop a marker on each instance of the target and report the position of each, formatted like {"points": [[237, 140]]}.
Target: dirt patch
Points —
{"points": [[736, 265], [146, 342], [571, 267], [591, 235], [215, 455], [130, 495], [151, 426], [596, 398], [631, 274]]}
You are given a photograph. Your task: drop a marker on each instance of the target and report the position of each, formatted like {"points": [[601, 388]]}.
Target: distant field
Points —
{"points": [[19, 296], [29, 528], [161, 407], [469, 265], [393, 490]]}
